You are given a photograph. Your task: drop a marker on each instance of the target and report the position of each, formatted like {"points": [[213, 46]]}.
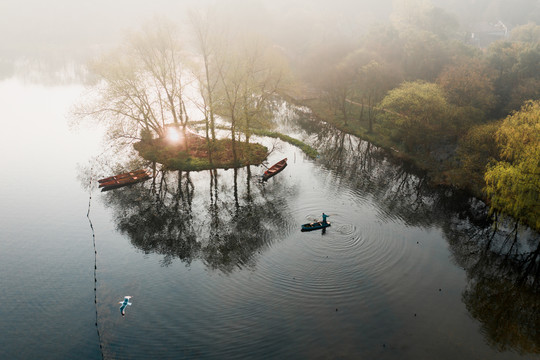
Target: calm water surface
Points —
{"points": [[217, 265]]}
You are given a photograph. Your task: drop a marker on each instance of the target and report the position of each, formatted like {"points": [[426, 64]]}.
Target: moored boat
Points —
{"points": [[274, 169], [123, 176], [115, 182]]}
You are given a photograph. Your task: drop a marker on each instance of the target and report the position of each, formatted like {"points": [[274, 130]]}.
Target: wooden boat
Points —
{"points": [[118, 181], [122, 176], [315, 226], [274, 169]]}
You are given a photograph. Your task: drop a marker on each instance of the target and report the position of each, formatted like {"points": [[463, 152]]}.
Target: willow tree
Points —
{"points": [[140, 90], [513, 184]]}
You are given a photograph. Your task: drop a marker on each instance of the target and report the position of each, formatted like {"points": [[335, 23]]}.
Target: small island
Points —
{"points": [[175, 155], [145, 89]]}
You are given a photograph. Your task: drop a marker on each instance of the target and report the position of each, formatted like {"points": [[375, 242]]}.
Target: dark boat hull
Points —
{"points": [[275, 169], [315, 226], [122, 184], [115, 182], [123, 176]]}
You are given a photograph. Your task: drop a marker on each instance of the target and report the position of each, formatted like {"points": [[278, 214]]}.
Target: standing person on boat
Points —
{"points": [[324, 216]]}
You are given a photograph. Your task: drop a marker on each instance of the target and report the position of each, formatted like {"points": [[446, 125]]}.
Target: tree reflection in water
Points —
{"points": [[501, 260], [503, 290], [170, 217]]}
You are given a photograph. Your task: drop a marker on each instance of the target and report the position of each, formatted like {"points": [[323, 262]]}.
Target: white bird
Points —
{"points": [[124, 304]]}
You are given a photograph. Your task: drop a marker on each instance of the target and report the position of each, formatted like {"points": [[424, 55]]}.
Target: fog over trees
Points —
{"points": [[432, 79], [34, 26]]}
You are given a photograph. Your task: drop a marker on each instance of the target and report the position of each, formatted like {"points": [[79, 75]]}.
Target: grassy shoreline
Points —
{"points": [[444, 173], [308, 150]]}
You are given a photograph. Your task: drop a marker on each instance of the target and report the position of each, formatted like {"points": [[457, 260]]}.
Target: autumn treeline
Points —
{"points": [[468, 115]]}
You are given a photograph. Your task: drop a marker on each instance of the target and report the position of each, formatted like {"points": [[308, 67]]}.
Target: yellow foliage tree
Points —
{"points": [[513, 184]]}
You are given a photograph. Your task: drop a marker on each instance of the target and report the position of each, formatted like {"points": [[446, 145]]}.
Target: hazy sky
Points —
{"points": [[35, 26], [34, 23]]}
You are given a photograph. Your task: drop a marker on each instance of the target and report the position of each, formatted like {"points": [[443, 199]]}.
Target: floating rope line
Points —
{"points": [[95, 269]]}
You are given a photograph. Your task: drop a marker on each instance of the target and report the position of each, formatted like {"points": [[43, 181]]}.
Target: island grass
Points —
{"points": [[196, 157], [308, 150]]}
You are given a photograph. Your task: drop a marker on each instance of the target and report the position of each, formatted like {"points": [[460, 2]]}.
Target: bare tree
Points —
{"points": [[238, 75], [140, 88], [251, 74], [205, 39]]}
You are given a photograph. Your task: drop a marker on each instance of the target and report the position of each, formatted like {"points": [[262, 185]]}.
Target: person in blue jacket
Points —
{"points": [[324, 216]]}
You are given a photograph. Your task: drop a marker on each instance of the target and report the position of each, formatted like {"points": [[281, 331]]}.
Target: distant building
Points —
{"points": [[483, 34]]}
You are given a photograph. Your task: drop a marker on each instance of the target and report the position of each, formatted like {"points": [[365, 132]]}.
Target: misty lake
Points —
{"points": [[218, 268]]}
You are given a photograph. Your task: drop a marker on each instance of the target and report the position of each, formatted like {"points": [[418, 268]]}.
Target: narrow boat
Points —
{"points": [[122, 176], [274, 169], [315, 226], [118, 181]]}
